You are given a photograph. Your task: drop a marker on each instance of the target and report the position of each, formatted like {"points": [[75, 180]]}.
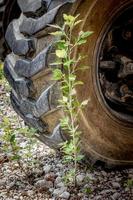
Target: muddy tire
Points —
{"points": [[34, 95]]}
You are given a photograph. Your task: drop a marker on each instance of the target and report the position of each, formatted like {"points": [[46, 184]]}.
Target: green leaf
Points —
{"points": [[61, 53], [56, 64], [12, 138], [55, 26], [69, 62], [78, 83], [81, 41], [68, 18], [57, 33], [65, 99], [80, 157], [62, 45], [72, 77], [85, 102], [84, 35], [68, 158], [57, 74], [64, 121], [16, 157], [77, 22]]}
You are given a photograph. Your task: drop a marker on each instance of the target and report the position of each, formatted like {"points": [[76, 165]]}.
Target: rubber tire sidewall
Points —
{"points": [[104, 136]]}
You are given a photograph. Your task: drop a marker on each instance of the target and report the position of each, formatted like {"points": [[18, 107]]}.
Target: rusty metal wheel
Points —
{"points": [[107, 127]]}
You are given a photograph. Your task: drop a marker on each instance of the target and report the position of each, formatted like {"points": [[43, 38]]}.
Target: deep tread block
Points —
{"points": [[54, 140], [56, 3], [28, 118], [20, 85], [16, 41], [33, 8], [35, 107], [28, 68], [31, 26], [30, 5]]}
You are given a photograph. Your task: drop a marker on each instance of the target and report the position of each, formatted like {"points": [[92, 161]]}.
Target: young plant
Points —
{"points": [[66, 73], [129, 184], [12, 144], [1, 71]]}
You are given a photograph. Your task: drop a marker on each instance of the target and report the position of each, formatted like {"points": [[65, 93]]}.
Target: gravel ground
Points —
{"points": [[43, 180]]}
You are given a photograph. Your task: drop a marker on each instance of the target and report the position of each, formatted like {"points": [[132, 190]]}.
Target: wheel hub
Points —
{"points": [[115, 71]]}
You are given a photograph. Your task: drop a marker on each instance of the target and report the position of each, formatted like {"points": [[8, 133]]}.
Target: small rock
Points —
{"points": [[40, 183], [106, 191], [90, 177], [50, 177], [58, 180], [65, 195], [80, 194], [30, 193], [99, 197], [104, 173], [60, 166], [127, 189], [51, 190], [115, 196], [38, 172], [130, 176], [59, 185], [118, 179], [80, 178], [43, 184], [10, 185], [115, 185], [57, 192], [2, 182], [47, 169]]}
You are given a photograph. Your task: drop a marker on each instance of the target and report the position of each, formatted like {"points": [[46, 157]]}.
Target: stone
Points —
{"points": [[99, 197], [90, 176], [50, 177], [80, 178], [58, 180], [30, 193], [10, 185], [104, 173], [47, 169], [60, 166], [57, 192], [2, 182], [115, 185], [59, 185], [115, 196], [51, 190], [65, 195], [43, 184]]}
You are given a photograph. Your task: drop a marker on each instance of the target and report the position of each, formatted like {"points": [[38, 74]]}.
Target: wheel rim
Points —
{"points": [[114, 71]]}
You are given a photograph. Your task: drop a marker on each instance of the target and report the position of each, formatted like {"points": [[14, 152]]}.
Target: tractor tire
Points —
{"points": [[105, 137]]}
